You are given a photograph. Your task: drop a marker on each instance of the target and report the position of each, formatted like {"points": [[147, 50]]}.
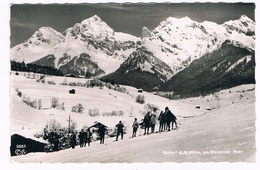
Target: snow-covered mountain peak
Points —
{"points": [[94, 18], [177, 22], [94, 23], [48, 30], [245, 18], [243, 25], [93, 38], [243, 21], [37, 45], [146, 33], [175, 42], [183, 19], [178, 41], [47, 35], [92, 27], [180, 27]]}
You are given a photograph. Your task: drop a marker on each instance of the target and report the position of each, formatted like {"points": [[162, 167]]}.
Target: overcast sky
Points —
{"points": [[129, 18]]}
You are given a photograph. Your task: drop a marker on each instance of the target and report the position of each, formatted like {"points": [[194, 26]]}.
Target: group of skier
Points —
{"points": [[166, 120], [85, 138]]}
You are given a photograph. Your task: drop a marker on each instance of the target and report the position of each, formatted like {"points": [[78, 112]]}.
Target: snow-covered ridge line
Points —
{"points": [[180, 41], [174, 41]]}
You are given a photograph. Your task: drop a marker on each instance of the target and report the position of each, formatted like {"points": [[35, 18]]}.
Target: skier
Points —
{"points": [[73, 139], [120, 130], [174, 118], [54, 140], [169, 119], [161, 121], [45, 134], [84, 138], [81, 138], [146, 122], [88, 137], [135, 127], [101, 132], [153, 122], [164, 121]]}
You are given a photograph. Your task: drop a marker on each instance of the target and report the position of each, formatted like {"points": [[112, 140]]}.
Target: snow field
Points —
{"points": [[224, 134]]}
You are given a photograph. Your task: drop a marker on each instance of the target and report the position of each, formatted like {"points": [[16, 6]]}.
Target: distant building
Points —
{"points": [[140, 90], [109, 131], [197, 107], [72, 91], [97, 125], [70, 75]]}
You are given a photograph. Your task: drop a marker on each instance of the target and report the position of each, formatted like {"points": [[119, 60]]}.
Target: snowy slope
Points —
{"points": [[226, 133], [104, 99]]}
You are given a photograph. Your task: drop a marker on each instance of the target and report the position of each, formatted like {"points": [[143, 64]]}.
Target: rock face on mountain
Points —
{"points": [[142, 70], [179, 41], [92, 37], [226, 67], [93, 49]]}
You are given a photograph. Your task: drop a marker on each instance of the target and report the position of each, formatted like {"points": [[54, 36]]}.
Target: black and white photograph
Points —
{"points": [[132, 82]]}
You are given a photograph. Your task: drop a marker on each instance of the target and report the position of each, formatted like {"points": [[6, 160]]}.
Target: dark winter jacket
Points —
{"points": [[147, 119], [164, 117], [120, 127], [160, 117], [169, 116], [73, 138], [81, 135], [102, 130]]}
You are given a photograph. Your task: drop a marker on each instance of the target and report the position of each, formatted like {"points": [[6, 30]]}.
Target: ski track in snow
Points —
{"points": [[202, 138]]}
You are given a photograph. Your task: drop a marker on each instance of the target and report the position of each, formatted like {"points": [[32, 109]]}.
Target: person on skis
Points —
{"points": [[153, 123], [73, 139], [135, 127], [169, 117], [146, 122], [174, 118], [161, 121], [81, 138], [88, 137], [54, 140], [120, 130], [102, 132]]}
